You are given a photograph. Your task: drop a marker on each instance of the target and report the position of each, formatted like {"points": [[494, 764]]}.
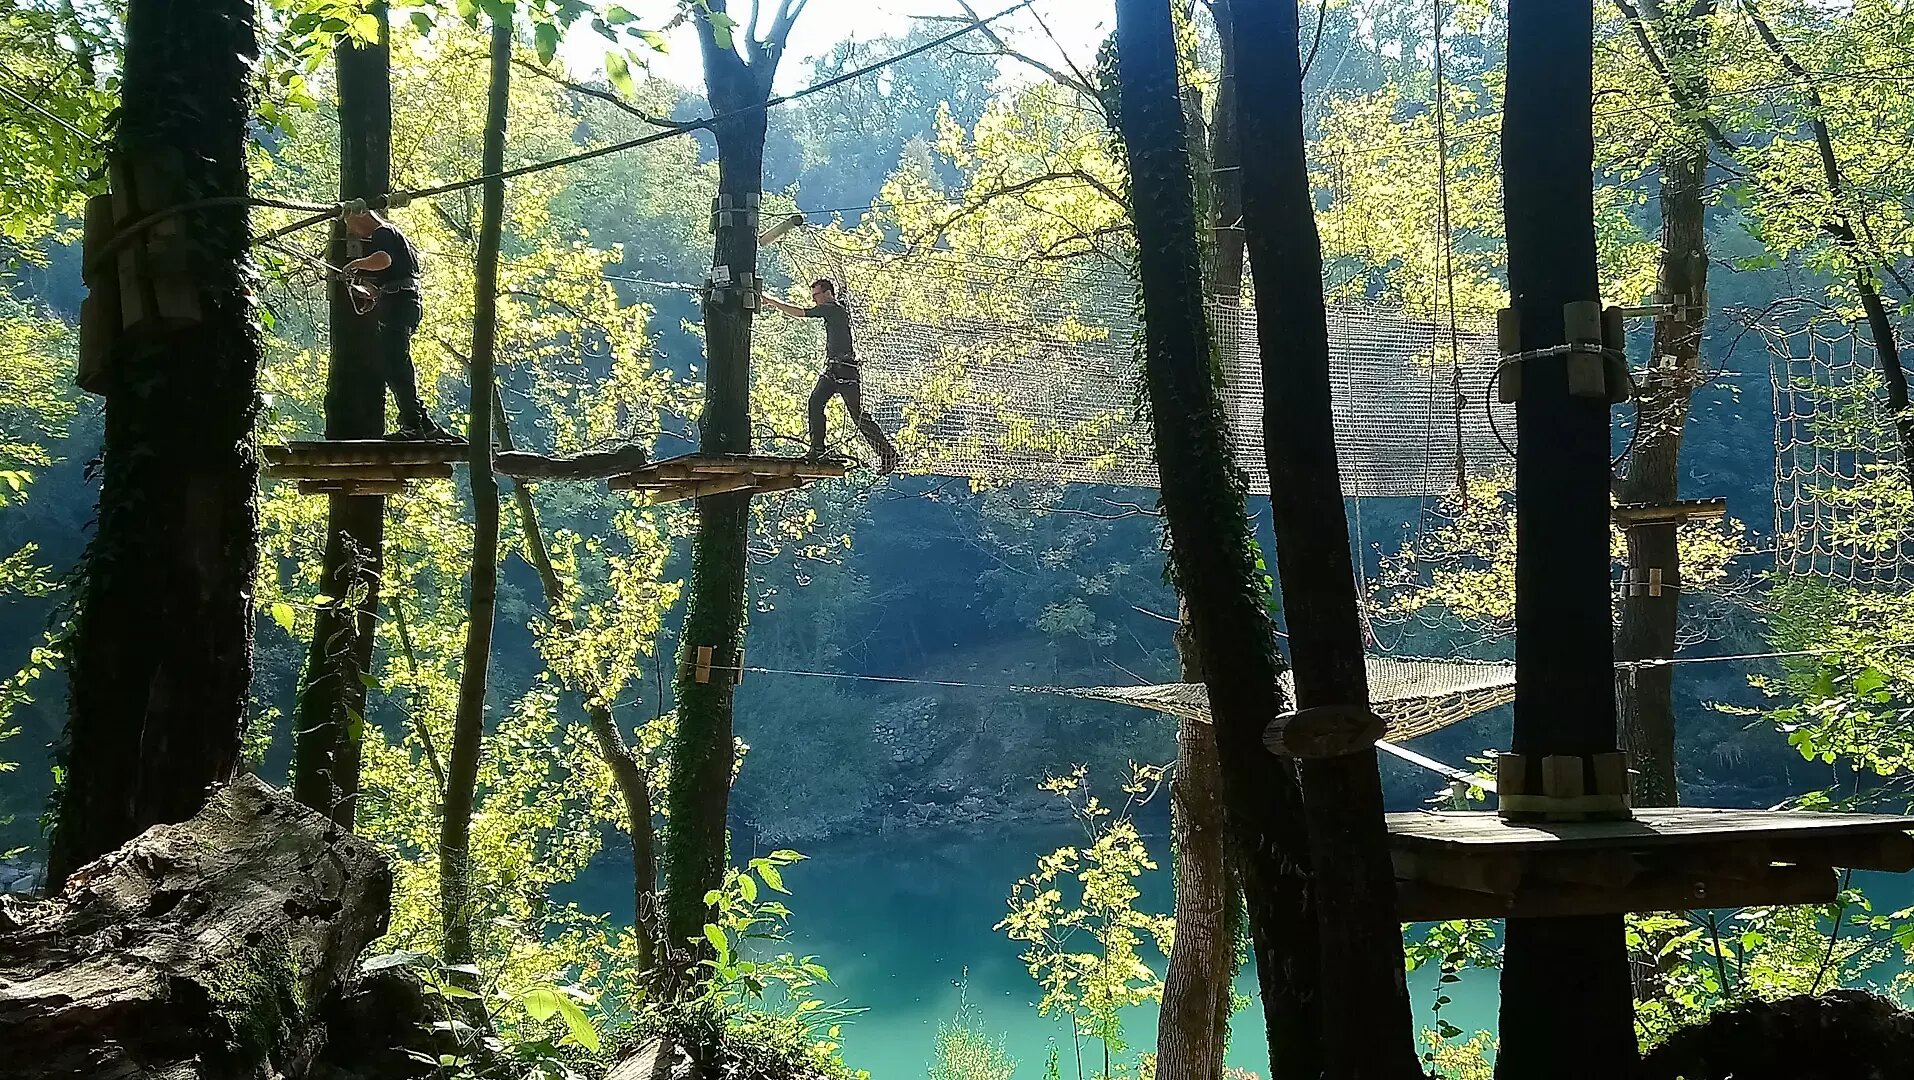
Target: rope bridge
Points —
{"points": [[1004, 370]]}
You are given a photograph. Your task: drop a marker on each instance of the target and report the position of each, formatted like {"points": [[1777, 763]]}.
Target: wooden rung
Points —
{"points": [[1636, 515]]}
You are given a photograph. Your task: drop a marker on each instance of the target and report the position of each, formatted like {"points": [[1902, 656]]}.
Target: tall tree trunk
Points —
{"points": [[1366, 1029], [162, 651], [1211, 541], [1565, 982], [468, 725], [1648, 623], [627, 772], [1193, 1021], [330, 717], [704, 753]]}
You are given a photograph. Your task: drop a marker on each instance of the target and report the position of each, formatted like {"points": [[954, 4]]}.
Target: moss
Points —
{"points": [[257, 997]]}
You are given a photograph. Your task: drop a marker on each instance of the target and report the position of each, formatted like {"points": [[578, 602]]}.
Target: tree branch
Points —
{"points": [[607, 96], [1003, 47]]}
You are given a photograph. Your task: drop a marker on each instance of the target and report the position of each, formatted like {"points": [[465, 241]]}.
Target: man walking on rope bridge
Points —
{"points": [[840, 377], [384, 283]]}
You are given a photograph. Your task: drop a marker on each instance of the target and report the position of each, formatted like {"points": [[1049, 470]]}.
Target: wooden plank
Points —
{"points": [[352, 487], [385, 472], [1465, 871], [1650, 828], [1423, 902], [698, 489], [365, 452], [1629, 515]]}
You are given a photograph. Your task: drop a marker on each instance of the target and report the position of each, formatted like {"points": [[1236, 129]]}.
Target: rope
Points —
{"points": [[1448, 255]]}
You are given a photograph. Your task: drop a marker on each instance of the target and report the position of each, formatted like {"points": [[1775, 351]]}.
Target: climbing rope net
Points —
{"points": [[1004, 370], [1840, 486], [1413, 696]]}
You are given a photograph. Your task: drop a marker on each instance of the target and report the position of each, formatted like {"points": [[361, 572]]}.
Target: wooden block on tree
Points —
{"points": [[1325, 731]]}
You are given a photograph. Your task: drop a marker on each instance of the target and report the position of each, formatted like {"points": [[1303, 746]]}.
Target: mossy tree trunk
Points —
{"points": [[627, 772], [1366, 1027], [1649, 623], [1211, 541], [1193, 1021], [704, 753], [468, 725], [1565, 982], [162, 648], [330, 718]]}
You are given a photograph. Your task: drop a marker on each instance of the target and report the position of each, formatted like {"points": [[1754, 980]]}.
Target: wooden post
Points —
{"points": [[1566, 981]]}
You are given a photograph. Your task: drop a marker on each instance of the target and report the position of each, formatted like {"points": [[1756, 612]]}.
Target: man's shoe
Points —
{"points": [[424, 429]]}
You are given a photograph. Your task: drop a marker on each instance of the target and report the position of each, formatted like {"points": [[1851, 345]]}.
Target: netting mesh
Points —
{"points": [[1413, 696], [1839, 482], [1028, 370]]}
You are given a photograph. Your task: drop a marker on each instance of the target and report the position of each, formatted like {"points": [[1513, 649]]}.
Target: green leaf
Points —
{"points": [[721, 27], [577, 1024], [545, 37], [772, 878], [616, 14], [618, 72], [748, 886], [543, 1003], [715, 935], [282, 614], [422, 22], [365, 27]]}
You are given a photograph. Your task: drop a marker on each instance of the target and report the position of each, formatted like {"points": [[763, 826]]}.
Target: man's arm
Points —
{"points": [[789, 309], [372, 263]]}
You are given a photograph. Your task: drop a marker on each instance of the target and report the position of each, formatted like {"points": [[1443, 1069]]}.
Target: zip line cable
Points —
{"points": [[380, 202]]}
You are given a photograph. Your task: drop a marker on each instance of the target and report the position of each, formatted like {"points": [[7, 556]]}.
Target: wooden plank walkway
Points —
{"points": [[1455, 865], [385, 466], [694, 476]]}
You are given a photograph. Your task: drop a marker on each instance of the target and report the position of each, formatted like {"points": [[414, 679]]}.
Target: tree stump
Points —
{"points": [[198, 951]]}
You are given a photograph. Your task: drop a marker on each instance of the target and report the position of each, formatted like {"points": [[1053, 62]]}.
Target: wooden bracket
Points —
{"points": [[1324, 731], [1594, 363], [1562, 787], [739, 210], [1649, 581], [705, 662]]}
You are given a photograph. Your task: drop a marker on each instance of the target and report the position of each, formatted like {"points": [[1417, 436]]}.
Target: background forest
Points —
{"points": [[896, 617]]}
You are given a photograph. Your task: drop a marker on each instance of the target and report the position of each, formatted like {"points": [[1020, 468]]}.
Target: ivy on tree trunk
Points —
{"points": [[329, 721], [1211, 543], [162, 646]]}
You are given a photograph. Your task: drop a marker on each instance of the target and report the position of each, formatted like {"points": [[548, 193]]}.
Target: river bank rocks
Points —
{"points": [[21, 877]]}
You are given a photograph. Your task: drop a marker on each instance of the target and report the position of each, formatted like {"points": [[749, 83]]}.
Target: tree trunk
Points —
{"points": [[704, 753], [1211, 541], [1193, 1020], [330, 718], [1565, 982], [162, 650], [627, 772], [468, 725], [199, 951], [1648, 623], [1366, 1029]]}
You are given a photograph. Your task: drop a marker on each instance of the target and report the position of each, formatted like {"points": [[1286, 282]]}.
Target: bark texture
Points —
{"points": [[704, 753], [162, 648], [1366, 1028], [468, 726], [1842, 1035], [1565, 982], [1211, 543], [199, 951], [330, 718]]}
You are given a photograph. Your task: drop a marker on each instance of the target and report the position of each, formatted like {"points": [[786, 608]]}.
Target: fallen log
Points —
{"points": [[199, 951]]}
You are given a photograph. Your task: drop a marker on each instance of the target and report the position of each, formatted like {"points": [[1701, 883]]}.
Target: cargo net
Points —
{"points": [[1413, 696], [999, 370], [1840, 483]]}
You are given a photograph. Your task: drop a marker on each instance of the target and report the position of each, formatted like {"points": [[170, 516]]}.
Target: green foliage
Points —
{"points": [[1453, 947], [539, 1032], [965, 1051], [61, 86], [1084, 949]]}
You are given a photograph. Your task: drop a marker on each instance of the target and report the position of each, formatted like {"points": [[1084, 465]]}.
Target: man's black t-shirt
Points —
{"points": [[837, 329], [404, 270]]}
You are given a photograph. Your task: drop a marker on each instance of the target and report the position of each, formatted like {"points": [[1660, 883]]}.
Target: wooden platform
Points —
{"points": [[386, 466], [1475, 865], [1630, 515], [695, 476]]}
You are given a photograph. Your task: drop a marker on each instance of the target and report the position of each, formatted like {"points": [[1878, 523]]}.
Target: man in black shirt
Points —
{"points": [[388, 275], [840, 376]]}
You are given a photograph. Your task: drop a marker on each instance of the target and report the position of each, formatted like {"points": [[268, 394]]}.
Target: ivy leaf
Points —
{"points": [[545, 36]]}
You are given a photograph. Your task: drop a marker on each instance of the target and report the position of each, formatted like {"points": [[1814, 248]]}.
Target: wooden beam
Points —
{"points": [[1420, 901], [352, 487], [388, 472], [1631, 515]]}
